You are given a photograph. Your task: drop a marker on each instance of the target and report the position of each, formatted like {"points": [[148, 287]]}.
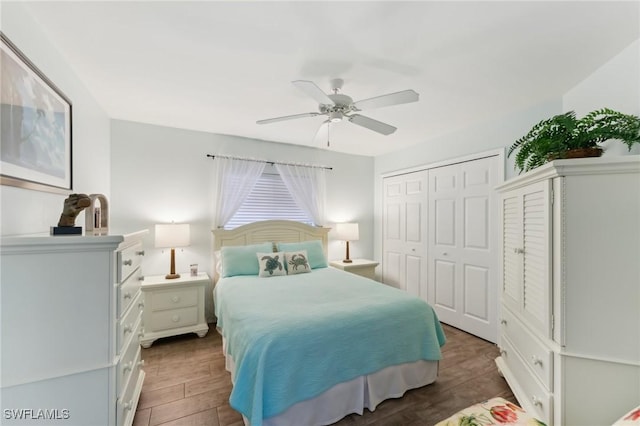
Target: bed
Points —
{"points": [[309, 344]]}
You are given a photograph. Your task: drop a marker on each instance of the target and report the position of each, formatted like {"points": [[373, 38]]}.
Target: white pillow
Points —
{"points": [[297, 262], [271, 264]]}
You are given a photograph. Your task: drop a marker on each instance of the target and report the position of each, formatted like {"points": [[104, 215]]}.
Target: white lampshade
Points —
{"points": [[172, 235], [347, 232]]}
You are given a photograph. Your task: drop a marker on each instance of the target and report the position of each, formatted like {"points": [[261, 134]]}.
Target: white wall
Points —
{"points": [[615, 85], [27, 211], [161, 174]]}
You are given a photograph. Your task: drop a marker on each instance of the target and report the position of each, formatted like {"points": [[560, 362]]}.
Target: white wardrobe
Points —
{"points": [[570, 302]]}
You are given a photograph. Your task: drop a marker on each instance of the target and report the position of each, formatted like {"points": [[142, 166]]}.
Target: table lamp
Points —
{"points": [[172, 235], [347, 232]]}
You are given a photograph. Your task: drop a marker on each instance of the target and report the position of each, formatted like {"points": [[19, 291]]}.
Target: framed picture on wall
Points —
{"points": [[35, 132]]}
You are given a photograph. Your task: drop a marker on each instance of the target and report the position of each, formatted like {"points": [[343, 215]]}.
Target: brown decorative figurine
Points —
{"points": [[73, 205]]}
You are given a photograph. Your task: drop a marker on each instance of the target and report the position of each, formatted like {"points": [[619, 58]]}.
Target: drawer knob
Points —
{"points": [[518, 251], [128, 328], [140, 253], [503, 352], [141, 363], [141, 305], [536, 360], [127, 295], [536, 401], [141, 278], [175, 299], [128, 406], [175, 318], [127, 262], [503, 321], [127, 367]]}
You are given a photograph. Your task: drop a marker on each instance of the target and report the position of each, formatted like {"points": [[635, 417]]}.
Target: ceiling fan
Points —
{"points": [[338, 107]]}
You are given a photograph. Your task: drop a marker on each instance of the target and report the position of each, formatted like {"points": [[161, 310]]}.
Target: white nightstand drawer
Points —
{"points": [[129, 260], [175, 318], [171, 299], [127, 324], [537, 356], [127, 291]]}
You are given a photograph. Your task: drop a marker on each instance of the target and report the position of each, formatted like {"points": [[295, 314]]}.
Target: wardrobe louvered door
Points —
{"points": [[512, 243], [527, 253]]}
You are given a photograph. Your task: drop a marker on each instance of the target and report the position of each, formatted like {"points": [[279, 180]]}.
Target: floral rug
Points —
{"points": [[496, 411]]}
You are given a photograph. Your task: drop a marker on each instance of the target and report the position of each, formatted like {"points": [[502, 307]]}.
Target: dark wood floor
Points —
{"points": [[186, 384]]}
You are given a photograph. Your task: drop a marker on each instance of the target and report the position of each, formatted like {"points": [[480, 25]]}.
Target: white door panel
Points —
{"points": [[462, 235], [414, 274], [392, 268], [404, 232]]}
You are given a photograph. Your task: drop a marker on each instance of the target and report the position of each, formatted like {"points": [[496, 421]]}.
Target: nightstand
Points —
{"points": [[363, 267], [173, 306]]}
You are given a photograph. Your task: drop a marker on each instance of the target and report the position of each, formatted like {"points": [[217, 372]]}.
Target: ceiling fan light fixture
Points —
{"points": [[335, 116]]}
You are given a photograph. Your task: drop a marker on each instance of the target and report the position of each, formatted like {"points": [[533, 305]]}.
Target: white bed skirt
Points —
{"points": [[352, 396]]}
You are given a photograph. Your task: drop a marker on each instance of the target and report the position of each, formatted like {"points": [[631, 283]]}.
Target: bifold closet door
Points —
{"points": [[463, 246], [404, 232]]}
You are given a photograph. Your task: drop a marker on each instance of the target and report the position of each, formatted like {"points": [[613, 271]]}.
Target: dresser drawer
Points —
{"points": [[127, 324], [128, 290], [536, 355], [129, 260], [129, 359], [129, 394], [534, 392], [176, 318], [172, 299]]}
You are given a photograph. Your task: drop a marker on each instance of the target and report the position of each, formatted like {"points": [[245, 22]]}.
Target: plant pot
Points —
{"points": [[577, 153]]}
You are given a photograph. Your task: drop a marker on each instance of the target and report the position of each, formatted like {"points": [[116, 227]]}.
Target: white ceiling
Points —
{"points": [[219, 66]]}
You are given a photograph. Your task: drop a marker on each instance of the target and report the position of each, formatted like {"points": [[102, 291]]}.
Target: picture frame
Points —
{"points": [[35, 133]]}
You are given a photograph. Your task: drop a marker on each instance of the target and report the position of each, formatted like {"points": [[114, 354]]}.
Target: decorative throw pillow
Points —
{"points": [[314, 249], [271, 264], [241, 260], [297, 262]]}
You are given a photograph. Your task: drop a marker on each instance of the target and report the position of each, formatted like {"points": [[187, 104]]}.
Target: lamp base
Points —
{"points": [[172, 276], [347, 261]]}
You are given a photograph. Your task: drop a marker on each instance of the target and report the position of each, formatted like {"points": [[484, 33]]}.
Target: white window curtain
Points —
{"points": [[307, 186], [234, 180]]}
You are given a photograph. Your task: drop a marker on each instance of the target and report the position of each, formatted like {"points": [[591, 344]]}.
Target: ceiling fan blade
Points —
{"points": [[371, 124], [288, 117], [396, 98], [310, 88]]}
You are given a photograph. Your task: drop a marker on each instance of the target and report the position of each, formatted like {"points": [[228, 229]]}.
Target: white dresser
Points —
{"points": [[570, 309], [71, 320]]}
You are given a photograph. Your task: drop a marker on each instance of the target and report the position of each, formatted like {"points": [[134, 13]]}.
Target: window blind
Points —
{"points": [[269, 199]]}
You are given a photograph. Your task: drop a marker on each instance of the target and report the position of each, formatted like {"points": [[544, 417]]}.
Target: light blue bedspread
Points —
{"points": [[293, 337]]}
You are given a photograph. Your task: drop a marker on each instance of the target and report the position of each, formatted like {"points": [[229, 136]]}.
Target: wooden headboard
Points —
{"points": [[278, 231]]}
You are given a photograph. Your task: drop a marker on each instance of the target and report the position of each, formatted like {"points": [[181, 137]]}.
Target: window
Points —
{"points": [[269, 199]]}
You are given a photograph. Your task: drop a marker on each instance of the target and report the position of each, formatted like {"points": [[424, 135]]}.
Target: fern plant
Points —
{"points": [[552, 138]]}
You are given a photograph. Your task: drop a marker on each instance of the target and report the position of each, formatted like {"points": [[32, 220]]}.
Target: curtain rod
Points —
{"points": [[269, 162]]}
